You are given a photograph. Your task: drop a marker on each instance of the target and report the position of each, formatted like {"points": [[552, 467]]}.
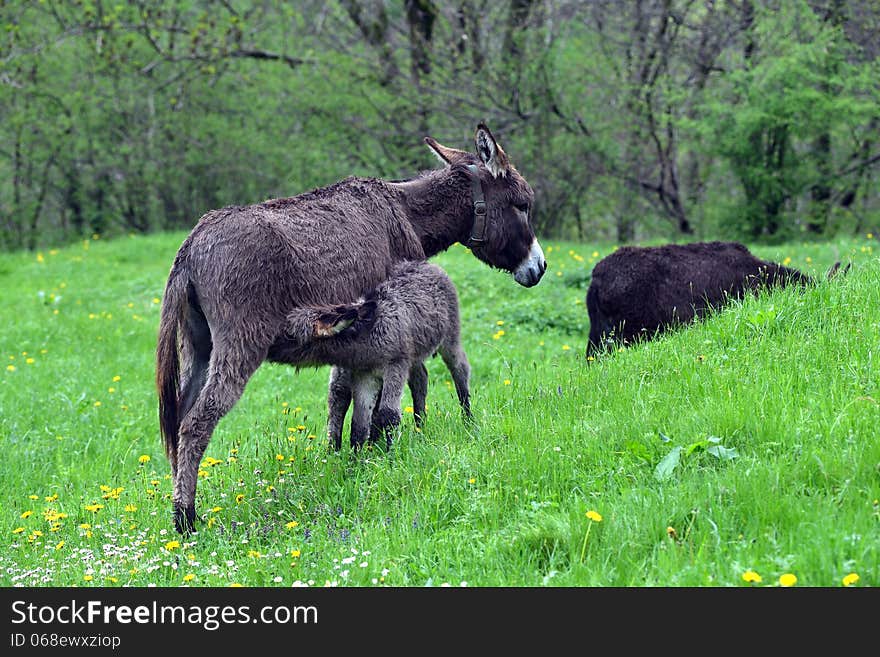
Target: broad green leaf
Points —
{"points": [[666, 467]]}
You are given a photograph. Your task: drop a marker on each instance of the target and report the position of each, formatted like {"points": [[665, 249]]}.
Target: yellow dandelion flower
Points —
{"points": [[88, 578], [239, 498], [507, 382], [27, 514], [97, 403], [111, 390], [144, 458], [18, 530], [117, 378], [235, 585], [408, 409], [172, 545], [852, 578], [85, 525], [292, 524], [472, 480], [155, 299], [40, 257], [131, 508], [788, 579], [29, 361], [60, 545], [279, 457], [188, 577], [113, 580], [11, 368], [565, 347], [751, 577], [94, 508], [594, 516], [52, 497], [295, 553], [212, 521], [33, 497], [253, 554]]}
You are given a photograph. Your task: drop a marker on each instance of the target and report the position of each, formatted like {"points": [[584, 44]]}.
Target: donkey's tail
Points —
{"points": [[168, 362]]}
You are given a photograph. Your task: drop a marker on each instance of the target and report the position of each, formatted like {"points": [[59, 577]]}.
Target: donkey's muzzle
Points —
{"points": [[532, 268]]}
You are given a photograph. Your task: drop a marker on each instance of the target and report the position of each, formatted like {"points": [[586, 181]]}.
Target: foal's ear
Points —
{"points": [[444, 153], [490, 153], [335, 320]]}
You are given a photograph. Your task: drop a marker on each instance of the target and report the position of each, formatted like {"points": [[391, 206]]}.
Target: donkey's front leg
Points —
{"points": [[338, 401], [365, 389], [387, 415]]}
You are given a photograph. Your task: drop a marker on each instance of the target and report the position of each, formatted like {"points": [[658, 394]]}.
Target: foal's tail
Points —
{"points": [[168, 362]]}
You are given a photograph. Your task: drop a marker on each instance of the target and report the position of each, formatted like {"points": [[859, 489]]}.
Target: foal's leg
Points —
{"points": [[365, 390], [338, 401], [418, 386], [460, 369], [387, 416], [228, 373]]}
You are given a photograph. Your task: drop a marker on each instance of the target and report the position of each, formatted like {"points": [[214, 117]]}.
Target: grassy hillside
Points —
{"points": [[745, 445]]}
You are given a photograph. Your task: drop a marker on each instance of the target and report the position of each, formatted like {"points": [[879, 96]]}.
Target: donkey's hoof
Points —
{"points": [[185, 519]]}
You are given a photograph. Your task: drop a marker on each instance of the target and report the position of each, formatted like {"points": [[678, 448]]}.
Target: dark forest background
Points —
{"points": [[633, 120]]}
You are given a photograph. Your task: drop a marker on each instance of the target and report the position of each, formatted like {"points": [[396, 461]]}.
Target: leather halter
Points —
{"points": [[478, 231]]}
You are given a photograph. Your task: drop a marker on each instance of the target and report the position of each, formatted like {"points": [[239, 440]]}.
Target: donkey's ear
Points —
{"points": [[335, 320], [490, 153], [444, 153]]}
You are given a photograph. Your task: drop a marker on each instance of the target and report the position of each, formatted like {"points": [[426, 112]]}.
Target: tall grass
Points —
{"points": [[747, 443]]}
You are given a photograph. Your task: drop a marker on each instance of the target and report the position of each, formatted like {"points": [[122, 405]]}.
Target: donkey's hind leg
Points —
{"points": [[460, 369], [196, 353], [418, 387], [338, 401], [228, 374]]}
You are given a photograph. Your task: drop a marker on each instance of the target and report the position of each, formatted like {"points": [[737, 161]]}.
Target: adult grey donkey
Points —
{"points": [[243, 269]]}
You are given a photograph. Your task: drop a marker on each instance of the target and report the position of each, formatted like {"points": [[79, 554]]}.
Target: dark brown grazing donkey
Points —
{"points": [[638, 292], [377, 343], [241, 271]]}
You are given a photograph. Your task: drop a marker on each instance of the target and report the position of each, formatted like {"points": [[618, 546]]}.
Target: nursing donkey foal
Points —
{"points": [[378, 343], [242, 270]]}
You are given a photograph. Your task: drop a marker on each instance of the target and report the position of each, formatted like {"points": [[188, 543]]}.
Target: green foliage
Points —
{"points": [[641, 122], [767, 114]]}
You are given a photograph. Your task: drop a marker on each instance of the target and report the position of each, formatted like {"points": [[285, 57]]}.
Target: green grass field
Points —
{"points": [[743, 451]]}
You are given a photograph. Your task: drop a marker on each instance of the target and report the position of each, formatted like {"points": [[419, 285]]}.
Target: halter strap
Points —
{"points": [[478, 232]]}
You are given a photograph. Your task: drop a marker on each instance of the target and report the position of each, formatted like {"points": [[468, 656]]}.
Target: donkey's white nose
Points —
{"points": [[532, 268]]}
